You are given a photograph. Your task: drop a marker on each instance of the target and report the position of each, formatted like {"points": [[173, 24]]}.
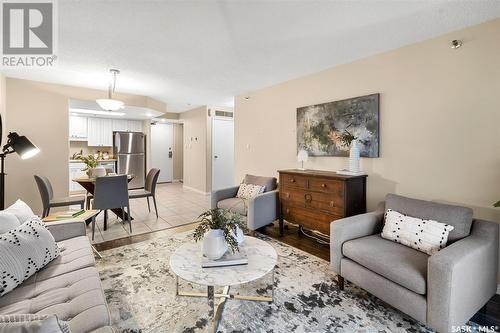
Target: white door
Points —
{"points": [[162, 141], [223, 153]]}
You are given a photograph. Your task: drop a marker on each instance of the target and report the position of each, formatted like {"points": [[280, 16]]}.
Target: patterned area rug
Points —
{"points": [[140, 290]]}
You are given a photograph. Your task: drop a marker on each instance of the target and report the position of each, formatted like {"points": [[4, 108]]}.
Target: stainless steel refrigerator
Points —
{"points": [[129, 148]]}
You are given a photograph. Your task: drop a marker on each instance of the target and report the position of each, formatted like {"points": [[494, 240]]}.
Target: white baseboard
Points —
{"points": [[195, 190]]}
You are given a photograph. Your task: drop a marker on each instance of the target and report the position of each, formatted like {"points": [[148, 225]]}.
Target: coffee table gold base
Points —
{"points": [[225, 295]]}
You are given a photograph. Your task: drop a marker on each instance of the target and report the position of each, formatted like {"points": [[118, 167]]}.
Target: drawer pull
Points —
{"points": [[288, 210], [308, 197], [332, 204], [323, 185], [287, 195], [292, 180]]}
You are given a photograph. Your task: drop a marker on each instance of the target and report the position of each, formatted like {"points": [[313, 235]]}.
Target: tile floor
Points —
{"points": [[176, 206]]}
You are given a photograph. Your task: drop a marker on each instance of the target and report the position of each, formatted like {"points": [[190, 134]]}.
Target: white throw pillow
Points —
{"points": [[24, 251], [247, 191], [427, 236], [33, 323], [8, 221], [22, 211]]}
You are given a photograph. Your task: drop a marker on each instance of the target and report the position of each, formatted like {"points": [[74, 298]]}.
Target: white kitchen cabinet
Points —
{"points": [[134, 125], [77, 128], [100, 132], [120, 125], [75, 171]]}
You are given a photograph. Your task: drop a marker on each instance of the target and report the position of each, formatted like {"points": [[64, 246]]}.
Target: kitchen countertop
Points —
{"points": [[98, 161]]}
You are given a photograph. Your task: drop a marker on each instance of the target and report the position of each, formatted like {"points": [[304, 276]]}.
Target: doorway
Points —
{"points": [[162, 142], [223, 153]]}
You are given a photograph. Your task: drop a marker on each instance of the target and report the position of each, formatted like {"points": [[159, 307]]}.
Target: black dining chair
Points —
{"points": [[149, 189], [111, 192], [48, 200]]}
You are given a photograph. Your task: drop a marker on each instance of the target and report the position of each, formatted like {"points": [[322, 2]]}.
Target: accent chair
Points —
{"points": [[260, 210], [442, 290]]}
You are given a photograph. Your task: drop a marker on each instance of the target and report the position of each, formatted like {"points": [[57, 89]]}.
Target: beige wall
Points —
{"points": [[178, 161], [195, 148], [40, 111], [439, 120]]}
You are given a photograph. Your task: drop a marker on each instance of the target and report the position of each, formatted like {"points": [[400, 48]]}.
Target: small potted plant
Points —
{"points": [[219, 229], [90, 163]]}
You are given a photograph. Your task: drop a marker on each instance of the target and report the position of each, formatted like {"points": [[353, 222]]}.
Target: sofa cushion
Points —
{"points": [[269, 183], [459, 217], [234, 205], [32, 323], [75, 297], [24, 251], [398, 263], [75, 254]]}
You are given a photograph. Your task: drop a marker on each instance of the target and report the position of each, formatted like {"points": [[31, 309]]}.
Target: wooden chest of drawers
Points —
{"points": [[313, 198]]}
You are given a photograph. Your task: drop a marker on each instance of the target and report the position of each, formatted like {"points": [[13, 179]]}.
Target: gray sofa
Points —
{"points": [[441, 290], [69, 286], [260, 210]]}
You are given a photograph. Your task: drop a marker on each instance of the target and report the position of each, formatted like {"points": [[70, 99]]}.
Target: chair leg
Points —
{"points": [[93, 227], [48, 211], [156, 208], [149, 207], [128, 218], [340, 282], [105, 219], [123, 214], [81, 205]]}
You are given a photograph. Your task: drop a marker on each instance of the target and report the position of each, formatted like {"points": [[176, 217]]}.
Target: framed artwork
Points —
{"points": [[327, 129]]}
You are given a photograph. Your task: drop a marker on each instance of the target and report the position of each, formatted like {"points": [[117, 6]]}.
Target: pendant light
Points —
{"points": [[110, 104]]}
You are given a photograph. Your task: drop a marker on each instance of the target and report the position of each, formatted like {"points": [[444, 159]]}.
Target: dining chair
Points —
{"points": [[111, 192], [149, 189], [48, 200]]}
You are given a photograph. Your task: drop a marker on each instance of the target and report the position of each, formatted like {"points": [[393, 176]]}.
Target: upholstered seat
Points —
{"points": [[76, 253], [75, 297], [400, 264], [234, 205]]}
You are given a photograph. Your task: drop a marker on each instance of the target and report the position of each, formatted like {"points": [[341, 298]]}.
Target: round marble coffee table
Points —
{"points": [[186, 264]]}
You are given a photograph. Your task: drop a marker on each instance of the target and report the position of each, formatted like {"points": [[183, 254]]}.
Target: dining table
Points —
{"points": [[88, 183]]}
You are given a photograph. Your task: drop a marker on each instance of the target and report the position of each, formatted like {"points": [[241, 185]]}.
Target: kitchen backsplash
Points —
{"points": [[76, 146]]}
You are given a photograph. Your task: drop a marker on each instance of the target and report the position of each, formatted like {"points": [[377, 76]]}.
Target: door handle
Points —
{"points": [[169, 154]]}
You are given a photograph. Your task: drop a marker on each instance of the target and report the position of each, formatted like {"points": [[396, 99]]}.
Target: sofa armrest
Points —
{"points": [[350, 228], [263, 209], [66, 229], [222, 194], [462, 277]]}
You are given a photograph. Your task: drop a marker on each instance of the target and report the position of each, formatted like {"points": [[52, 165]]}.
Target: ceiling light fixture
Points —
{"points": [[97, 112], [110, 104]]}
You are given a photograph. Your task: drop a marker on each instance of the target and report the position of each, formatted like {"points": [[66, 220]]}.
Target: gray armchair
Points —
{"points": [[259, 211], [442, 290]]}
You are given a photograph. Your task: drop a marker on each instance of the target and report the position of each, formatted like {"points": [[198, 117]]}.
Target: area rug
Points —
{"points": [[140, 290]]}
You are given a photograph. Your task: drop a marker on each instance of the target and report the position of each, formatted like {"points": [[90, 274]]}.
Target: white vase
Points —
{"points": [[354, 153], [98, 172], [214, 244]]}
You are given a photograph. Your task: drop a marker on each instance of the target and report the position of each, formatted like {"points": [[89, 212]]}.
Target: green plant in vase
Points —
{"points": [[90, 162], [218, 228]]}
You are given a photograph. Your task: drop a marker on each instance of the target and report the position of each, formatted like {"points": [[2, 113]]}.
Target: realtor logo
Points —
{"points": [[28, 29]]}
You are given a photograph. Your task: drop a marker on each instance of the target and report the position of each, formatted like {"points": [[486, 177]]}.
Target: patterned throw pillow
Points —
{"points": [[427, 236], [33, 323], [24, 251], [247, 191]]}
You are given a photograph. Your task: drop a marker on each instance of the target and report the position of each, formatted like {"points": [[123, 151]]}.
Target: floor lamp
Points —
{"points": [[15, 144]]}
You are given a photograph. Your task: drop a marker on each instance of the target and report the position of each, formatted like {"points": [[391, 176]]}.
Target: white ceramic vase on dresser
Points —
{"points": [[214, 244], [354, 157]]}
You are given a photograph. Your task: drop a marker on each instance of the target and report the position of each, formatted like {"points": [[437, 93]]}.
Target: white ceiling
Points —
{"points": [[205, 52]]}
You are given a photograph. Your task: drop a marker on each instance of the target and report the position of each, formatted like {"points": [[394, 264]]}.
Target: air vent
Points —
{"points": [[224, 114]]}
